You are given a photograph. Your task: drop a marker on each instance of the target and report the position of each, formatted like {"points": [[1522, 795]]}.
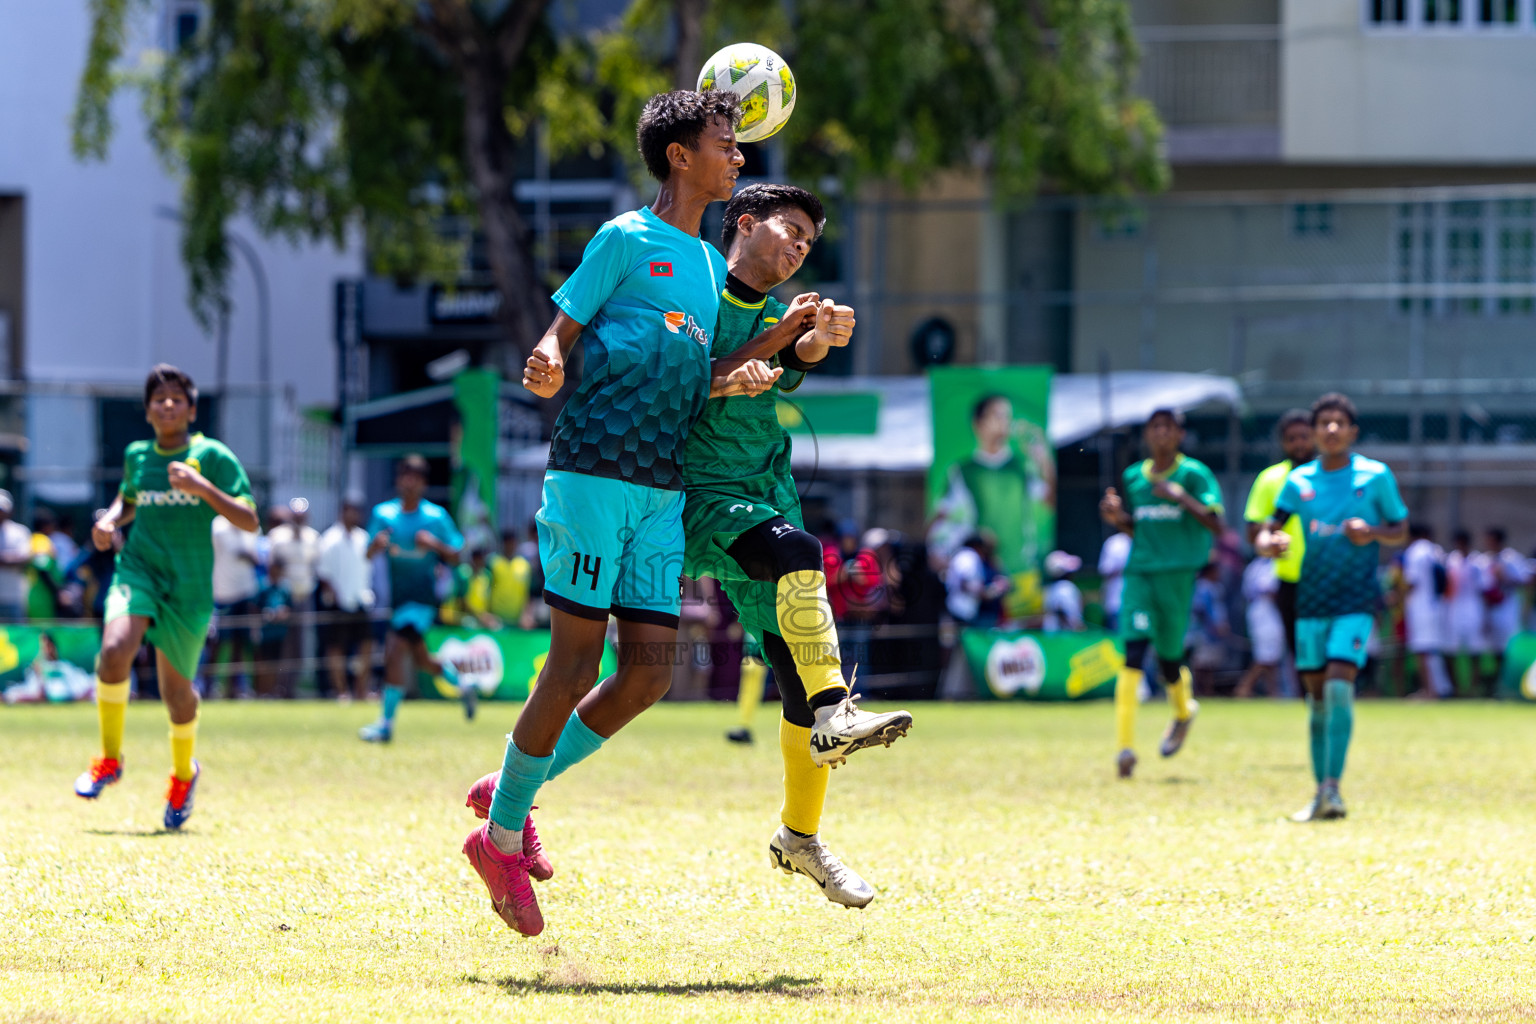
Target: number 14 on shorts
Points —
{"points": [[581, 563]]}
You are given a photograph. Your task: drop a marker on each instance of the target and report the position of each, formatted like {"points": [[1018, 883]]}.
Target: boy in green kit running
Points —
{"points": [[173, 488], [1172, 509]]}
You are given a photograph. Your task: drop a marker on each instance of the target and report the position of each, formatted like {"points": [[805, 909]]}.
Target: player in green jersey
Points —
{"points": [[1171, 508], [744, 528], [173, 488]]}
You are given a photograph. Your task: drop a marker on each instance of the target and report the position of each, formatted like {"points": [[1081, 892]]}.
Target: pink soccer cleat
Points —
{"points": [[506, 878], [479, 801]]}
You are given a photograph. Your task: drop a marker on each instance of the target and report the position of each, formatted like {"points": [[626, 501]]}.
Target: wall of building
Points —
{"points": [[1453, 95], [104, 286]]}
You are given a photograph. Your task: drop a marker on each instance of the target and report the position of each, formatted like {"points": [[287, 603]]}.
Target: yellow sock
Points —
{"points": [[753, 675], [183, 740], [1127, 693], [111, 710], [805, 623], [805, 785], [1181, 695]]}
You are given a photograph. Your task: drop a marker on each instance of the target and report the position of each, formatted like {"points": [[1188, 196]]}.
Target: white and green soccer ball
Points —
{"points": [[763, 81]]}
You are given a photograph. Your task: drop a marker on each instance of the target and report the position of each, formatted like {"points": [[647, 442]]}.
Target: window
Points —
{"points": [[1442, 12], [1312, 220], [1439, 16], [1498, 12], [1387, 12], [1462, 258], [182, 20]]}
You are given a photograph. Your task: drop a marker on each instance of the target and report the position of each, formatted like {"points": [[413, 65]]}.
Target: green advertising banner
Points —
{"points": [[994, 470], [1017, 665], [503, 665], [477, 398], [1519, 679], [65, 671]]}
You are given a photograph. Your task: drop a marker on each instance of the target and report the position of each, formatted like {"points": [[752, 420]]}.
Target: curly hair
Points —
{"points": [[164, 375], [763, 201], [680, 117]]}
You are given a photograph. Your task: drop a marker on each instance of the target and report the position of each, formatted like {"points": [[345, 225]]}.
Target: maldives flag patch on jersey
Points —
{"points": [[661, 269]]}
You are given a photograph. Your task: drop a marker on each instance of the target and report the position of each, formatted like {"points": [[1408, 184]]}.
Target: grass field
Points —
{"points": [[320, 879]]}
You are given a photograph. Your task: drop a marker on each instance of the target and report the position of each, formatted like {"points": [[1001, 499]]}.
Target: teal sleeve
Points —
{"points": [[448, 533], [603, 266], [377, 524], [1389, 500]]}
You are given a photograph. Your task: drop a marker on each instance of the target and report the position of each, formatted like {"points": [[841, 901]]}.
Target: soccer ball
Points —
{"points": [[762, 80]]}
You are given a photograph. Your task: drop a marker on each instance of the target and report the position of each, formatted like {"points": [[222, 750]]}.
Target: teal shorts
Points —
{"points": [[610, 546], [1340, 638], [413, 617]]}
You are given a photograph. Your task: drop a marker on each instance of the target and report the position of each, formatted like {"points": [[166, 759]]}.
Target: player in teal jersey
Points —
{"points": [[173, 488], [1349, 506], [643, 304], [744, 526], [1171, 508], [417, 535]]}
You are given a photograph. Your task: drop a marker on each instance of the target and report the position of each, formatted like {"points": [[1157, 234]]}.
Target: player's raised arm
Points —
{"points": [[1113, 511], [238, 510], [832, 328], [727, 378]]}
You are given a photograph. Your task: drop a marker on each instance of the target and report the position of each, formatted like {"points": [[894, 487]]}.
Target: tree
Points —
{"points": [[317, 116]]}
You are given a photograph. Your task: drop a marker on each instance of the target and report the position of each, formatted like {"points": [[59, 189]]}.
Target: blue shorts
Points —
{"points": [[412, 617], [1340, 638], [610, 546]]}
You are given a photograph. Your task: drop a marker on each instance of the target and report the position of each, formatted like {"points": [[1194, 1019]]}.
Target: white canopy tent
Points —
{"points": [[1082, 404]]}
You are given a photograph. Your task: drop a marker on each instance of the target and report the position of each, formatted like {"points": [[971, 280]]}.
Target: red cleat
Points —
{"points": [[506, 878], [479, 801]]}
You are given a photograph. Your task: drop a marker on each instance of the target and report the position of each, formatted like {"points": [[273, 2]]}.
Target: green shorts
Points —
{"points": [[1156, 606], [177, 629], [713, 520]]}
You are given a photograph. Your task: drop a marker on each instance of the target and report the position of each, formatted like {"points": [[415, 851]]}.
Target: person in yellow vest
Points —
{"points": [[470, 604], [511, 579], [1295, 433]]}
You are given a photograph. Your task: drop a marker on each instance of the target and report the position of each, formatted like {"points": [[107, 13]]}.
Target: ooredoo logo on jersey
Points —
{"points": [[682, 323]]}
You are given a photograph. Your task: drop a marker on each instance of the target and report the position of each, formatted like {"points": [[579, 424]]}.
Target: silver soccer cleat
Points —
{"points": [[809, 856], [843, 728]]}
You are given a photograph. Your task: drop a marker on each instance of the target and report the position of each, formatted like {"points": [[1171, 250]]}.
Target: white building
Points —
{"points": [[92, 289]]}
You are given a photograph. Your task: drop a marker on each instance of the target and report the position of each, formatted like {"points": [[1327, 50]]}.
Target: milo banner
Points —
{"points": [[994, 470], [502, 665], [48, 663], [1519, 679], [477, 399], [1042, 666]]}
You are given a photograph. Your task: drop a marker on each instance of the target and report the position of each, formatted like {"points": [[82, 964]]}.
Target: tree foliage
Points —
{"points": [[315, 117]]}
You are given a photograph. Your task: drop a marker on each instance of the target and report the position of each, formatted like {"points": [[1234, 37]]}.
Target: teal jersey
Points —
{"points": [[412, 569], [1337, 576], [648, 295]]}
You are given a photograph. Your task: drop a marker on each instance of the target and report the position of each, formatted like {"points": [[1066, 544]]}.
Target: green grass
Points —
{"points": [[320, 879]]}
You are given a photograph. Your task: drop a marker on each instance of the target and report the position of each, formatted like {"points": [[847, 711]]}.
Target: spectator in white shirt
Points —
{"points": [[1063, 601], [973, 587], [1266, 628], [235, 587], [1508, 572], [1113, 557], [1424, 575], [297, 545], [345, 577], [1466, 614], [15, 556]]}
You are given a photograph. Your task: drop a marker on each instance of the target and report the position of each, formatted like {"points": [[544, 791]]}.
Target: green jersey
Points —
{"points": [[738, 445], [171, 543], [1167, 537]]}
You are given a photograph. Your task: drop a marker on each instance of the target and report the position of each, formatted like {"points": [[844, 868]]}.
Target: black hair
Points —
{"points": [[1335, 401], [1462, 537], [414, 463], [1420, 531], [1290, 418], [1173, 414], [680, 117], [980, 408], [166, 375], [1498, 534], [763, 201]]}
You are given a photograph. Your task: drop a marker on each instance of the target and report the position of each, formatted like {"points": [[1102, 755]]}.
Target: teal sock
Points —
{"points": [[393, 695], [1339, 703], [521, 777], [1319, 737], [576, 744]]}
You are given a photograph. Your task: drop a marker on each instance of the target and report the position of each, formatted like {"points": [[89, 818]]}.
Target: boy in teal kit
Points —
{"points": [[1171, 509], [173, 488], [1349, 506], [643, 304], [417, 535]]}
